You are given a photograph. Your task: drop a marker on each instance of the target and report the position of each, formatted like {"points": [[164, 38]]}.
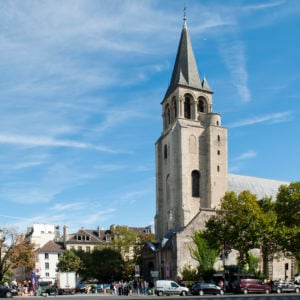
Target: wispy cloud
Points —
{"points": [[68, 206], [265, 5], [49, 142], [270, 118], [233, 53], [247, 155]]}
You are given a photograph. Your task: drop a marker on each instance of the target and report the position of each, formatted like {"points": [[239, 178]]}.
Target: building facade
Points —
{"points": [[47, 259]]}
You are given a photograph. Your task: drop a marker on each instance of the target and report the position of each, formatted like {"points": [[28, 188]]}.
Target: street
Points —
{"points": [[291, 296]]}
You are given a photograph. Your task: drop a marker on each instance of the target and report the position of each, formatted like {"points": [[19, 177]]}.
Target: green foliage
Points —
{"points": [[68, 262], [244, 223], [238, 223], [123, 239], [189, 274], [287, 208], [203, 252], [253, 264], [106, 265], [15, 252]]}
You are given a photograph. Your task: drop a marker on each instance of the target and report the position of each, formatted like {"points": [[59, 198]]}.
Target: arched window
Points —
{"points": [[168, 115], [201, 105], [187, 108], [218, 168], [174, 108], [219, 138], [195, 183], [165, 151]]}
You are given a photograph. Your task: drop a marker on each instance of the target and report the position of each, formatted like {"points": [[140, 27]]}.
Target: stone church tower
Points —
{"points": [[191, 170], [191, 153]]}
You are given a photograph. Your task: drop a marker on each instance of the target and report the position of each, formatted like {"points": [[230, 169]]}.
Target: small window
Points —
{"points": [[46, 265], [219, 138], [79, 248], [195, 183], [219, 152], [78, 237], [47, 274], [165, 151], [88, 249], [218, 168], [46, 255], [217, 123]]}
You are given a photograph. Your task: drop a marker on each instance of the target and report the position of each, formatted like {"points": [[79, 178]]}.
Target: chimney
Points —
{"points": [[65, 235]]}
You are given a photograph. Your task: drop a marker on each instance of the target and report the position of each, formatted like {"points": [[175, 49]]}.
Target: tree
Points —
{"points": [[69, 262], [271, 232], [287, 207], [123, 239], [203, 253], [105, 265], [14, 252], [140, 244], [238, 223]]}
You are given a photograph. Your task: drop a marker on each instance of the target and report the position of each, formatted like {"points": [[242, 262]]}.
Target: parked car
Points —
{"points": [[285, 286], [250, 285], [201, 288], [5, 292], [81, 288], [96, 289], [52, 290], [169, 287]]}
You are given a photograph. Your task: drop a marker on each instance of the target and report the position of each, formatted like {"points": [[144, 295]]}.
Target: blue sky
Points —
{"points": [[80, 89]]}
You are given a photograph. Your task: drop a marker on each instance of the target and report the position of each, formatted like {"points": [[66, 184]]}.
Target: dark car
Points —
{"points": [[81, 288], [96, 289], [285, 286], [5, 292], [52, 290], [201, 288], [250, 285]]}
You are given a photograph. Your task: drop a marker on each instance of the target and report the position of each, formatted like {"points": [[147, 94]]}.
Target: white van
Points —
{"points": [[169, 287]]}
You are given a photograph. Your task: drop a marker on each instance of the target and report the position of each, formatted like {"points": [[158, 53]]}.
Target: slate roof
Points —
{"points": [[52, 247], [261, 187], [98, 235]]}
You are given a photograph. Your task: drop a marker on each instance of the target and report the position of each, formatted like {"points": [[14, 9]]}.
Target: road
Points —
{"points": [[290, 296]]}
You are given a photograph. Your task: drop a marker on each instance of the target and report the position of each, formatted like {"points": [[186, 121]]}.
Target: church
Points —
{"points": [[191, 166]]}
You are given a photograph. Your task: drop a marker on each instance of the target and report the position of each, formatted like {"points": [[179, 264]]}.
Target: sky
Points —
{"points": [[81, 82]]}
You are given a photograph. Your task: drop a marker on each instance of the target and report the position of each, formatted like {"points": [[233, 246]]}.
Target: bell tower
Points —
{"points": [[191, 153]]}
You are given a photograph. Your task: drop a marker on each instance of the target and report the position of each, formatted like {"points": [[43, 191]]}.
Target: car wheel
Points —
{"points": [[278, 291], [8, 294], [160, 293], [267, 291], [183, 293], [201, 293], [297, 290], [221, 292], [245, 291]]}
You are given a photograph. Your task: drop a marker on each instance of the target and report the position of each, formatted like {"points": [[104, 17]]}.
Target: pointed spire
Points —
{"points": [[184, 17], [185, 72], [205, 84]]}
